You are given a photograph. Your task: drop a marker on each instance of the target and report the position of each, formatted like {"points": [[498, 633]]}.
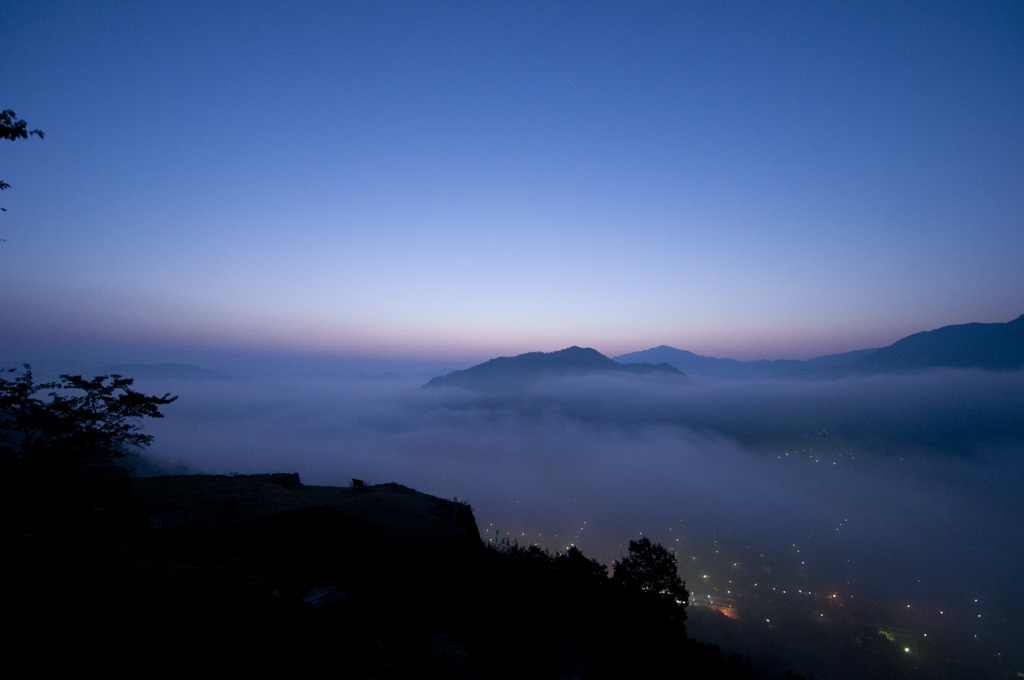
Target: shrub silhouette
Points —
{"points": [[78, 419]]}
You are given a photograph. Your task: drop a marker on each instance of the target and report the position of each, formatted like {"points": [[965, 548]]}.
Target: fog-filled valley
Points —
{"points": [[343, 240], [874, 519]]}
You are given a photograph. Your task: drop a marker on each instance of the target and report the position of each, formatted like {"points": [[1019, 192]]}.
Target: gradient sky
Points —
{"points": [[754, 180]]}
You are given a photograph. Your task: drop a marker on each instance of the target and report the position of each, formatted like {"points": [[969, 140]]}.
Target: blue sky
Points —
{"points": [[754, 180]]}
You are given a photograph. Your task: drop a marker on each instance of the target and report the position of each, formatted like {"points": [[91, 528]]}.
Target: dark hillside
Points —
{"points": [[261, 576], [989, 346], [521, 370]]}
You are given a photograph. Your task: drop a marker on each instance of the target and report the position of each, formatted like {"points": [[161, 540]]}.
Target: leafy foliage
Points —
{"points": [[577, 622], [12, 128], [573, 564], [651, 568], [78, 418]]}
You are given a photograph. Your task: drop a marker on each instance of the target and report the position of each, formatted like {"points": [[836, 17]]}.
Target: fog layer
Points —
{"points": [[898, 488]]}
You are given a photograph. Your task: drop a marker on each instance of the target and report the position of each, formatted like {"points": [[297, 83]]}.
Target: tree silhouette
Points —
{"points": [[573, 564], [79, 419], [651, 568], [12, 128]]}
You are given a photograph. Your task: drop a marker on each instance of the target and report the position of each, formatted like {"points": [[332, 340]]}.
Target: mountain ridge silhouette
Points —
{"points": [[987, 346], [522, 369]]}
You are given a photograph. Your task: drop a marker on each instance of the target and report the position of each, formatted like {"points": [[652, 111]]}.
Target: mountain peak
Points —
{"points": [[512, 372], [988, 346]]}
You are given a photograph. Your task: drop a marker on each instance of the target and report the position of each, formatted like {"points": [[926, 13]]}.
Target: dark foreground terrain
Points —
{"points": [[262, 576]]}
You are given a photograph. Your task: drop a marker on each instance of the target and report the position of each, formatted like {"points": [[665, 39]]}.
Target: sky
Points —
{"points": [[466, 180], [448, 182]]}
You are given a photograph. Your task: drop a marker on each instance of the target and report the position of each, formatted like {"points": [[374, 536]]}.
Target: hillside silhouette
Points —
{"points": [[521, 370], [989, 346], [262, 576], [992, 347], [165, 371]]}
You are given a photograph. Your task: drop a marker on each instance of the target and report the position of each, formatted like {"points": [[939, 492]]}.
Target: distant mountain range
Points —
{"points": [[164, 372], [991, 346], [521, 370], [988, 346], [711, 367]]}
